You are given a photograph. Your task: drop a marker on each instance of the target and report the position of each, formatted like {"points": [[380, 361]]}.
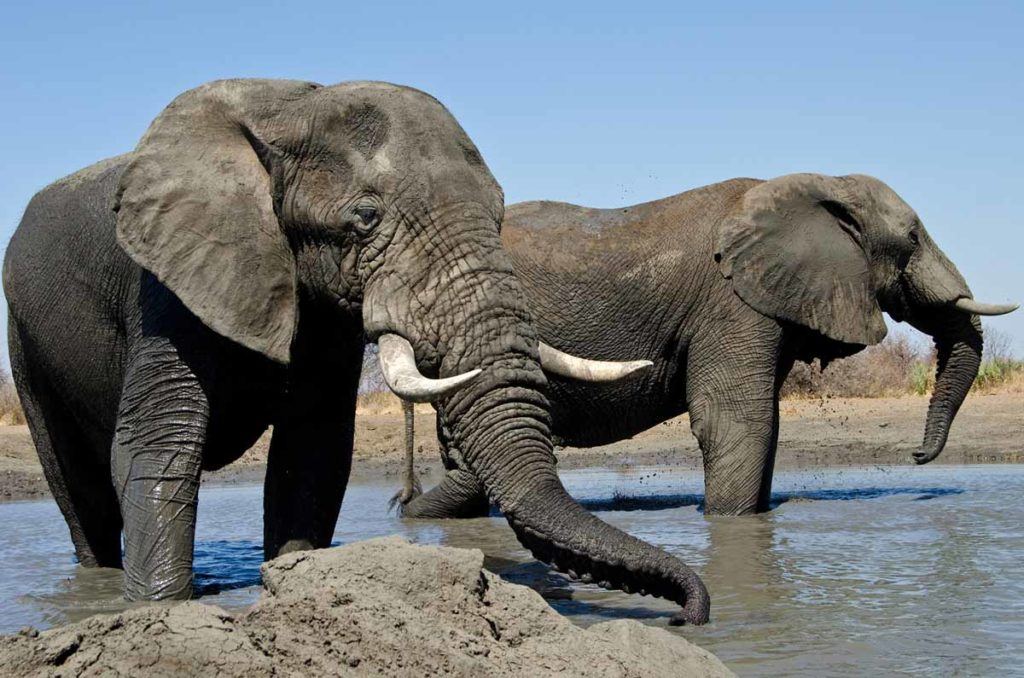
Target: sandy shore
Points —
{"points": [[814, 433]]}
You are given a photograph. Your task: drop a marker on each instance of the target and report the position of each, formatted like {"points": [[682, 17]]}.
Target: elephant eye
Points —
{"points": [[368, 214], [915, 238]]}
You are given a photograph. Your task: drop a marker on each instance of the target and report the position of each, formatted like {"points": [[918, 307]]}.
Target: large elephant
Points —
{"points": [[262, 231], [723, 288]]}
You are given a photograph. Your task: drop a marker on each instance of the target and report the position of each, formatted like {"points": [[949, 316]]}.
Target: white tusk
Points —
{"points": [[581, 369], [398, 363], [977, 308]]}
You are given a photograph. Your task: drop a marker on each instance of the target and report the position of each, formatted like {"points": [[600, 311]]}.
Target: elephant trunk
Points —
{"points": [[458, 495], [498, 419], [503, 437], [958, 342], [936, 294]]}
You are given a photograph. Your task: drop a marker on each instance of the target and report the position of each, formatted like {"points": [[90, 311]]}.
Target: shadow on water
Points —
{"points": [[673, 501], [854, 494], [572, 598], [222, 565]]}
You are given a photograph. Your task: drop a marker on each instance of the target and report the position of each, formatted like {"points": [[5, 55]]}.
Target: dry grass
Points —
{"points": [[378, 402], [899, 366], [10, 407], [386, 402]]}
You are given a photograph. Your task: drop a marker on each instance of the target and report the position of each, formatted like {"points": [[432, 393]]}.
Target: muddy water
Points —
{"points": [[864, 571]]}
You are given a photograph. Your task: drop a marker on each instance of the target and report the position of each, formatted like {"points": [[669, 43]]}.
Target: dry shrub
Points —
{"points": [[371, 380], [10, 407], [886, 369], [902, 364], [374, 396], [378, 402]]}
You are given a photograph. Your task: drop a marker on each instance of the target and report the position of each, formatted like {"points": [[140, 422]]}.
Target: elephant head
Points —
{"points": [[368, 199], [830, 254]]}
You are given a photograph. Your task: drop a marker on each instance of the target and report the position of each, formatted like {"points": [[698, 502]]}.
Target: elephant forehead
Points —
{"points": [[365, 125], [368, 116], [405, 106], [875, 195]]}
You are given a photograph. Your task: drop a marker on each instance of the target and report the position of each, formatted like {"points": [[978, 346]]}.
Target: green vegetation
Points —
{"points": [[922, 378], [997, 373]]}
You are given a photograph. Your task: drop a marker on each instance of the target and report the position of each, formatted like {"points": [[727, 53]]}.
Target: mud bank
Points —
{"points": [[383, 606], [813, 434]]}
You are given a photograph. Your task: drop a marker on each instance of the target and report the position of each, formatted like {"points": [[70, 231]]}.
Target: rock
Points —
{"points": [[383, 606], [156, 640]]}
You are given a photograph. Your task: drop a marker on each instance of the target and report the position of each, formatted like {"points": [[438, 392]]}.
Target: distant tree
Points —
{"points": [[371, 380]]}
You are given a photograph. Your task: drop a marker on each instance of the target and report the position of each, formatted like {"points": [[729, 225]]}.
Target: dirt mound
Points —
{"points": [[382, 606]]}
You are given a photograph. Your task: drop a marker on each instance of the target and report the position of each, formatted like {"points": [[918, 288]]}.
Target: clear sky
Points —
{"points": [[569, 101]]}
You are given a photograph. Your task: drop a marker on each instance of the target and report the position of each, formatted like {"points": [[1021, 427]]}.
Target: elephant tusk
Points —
{"points": [[968, 305], [398, 363], [581, 369]]}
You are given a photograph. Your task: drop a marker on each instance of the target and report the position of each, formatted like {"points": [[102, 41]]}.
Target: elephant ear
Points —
{"points": [[794, 252], [194, 207]]}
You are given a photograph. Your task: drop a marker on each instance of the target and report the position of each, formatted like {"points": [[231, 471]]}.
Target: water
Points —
{"points": [[862, 571]]}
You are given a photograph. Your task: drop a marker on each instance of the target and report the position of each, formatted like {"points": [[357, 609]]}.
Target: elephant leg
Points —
{"points": [[311, 449], [79, 481], [156, 462], [460, 494], [734, 414], [411, 487]]}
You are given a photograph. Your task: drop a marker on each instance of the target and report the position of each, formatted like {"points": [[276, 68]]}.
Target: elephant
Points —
{"points": [[167, 306], [723, 288]]}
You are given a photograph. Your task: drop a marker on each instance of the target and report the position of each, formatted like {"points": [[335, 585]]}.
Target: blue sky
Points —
{"points": [[568, 101]]}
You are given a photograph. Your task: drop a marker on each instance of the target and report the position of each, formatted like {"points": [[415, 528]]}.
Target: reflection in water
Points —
{"points": [[855, 571]]}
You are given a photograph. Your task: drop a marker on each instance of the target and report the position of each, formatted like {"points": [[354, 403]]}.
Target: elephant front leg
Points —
{"points": [[307, 473], [739, 454], [156, 463], [732, 397], [311, 449]]}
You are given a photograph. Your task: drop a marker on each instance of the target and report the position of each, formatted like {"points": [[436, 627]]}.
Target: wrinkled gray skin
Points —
{"points": [[724, 287], [261, 232]]}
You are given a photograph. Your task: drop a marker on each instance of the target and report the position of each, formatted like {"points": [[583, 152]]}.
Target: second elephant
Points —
{"points": [[724, 287]]}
